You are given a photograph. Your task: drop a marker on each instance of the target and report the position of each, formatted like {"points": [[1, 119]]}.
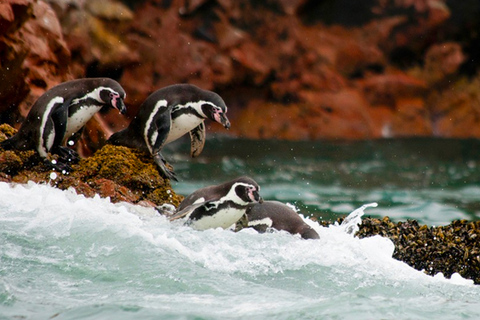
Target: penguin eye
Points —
{"points": [[114, 95]]}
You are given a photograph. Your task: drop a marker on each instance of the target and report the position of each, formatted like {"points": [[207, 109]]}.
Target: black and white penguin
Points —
{"points": [[219, 206], [278, 216], [61, 112], [166, 115]]}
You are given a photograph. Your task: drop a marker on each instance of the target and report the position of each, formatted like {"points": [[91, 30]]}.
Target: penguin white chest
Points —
{"points": [[182, 125], [79, 118], [223, 218]]}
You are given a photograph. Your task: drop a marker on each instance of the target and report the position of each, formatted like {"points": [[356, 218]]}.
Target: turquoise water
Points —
{"points": [[64, 256], [432, 180]]}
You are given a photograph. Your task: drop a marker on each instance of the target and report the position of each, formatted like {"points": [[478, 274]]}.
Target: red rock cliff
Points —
{"points": [[288, 69]]}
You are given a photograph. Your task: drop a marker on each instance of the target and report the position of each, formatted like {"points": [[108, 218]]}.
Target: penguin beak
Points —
{"points": [[116, 101], [257, 197], [118, 104], [221, 118], [224, 121]]}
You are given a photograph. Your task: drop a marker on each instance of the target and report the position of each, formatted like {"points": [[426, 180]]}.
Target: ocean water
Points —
{"points": [[64, 256], [433, 181]]}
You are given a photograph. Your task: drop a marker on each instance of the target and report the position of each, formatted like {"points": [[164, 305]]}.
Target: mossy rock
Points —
{"points": [[117, 172], [6, 131]]}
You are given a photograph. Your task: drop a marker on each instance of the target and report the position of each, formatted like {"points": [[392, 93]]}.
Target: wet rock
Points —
{"points": [[119, 173], [447, 249]]}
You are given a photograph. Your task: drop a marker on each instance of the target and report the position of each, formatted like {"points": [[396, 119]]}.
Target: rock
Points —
{"points": [[94, 32], [386, 88], [453, 111], [115, 172], [394, 59], [441, 61], [34, 56], [317, 116], [447, 249]]}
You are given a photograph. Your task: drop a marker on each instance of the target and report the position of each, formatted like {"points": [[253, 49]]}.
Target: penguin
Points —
{"points": [[219, 206], [276, 215], [166, 115], [61, 112]]}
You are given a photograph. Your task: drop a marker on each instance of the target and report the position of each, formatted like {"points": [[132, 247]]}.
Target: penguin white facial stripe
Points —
{"points": [[194, 105], [42, 146], [232, 194], [94, 94], [151, 142]]}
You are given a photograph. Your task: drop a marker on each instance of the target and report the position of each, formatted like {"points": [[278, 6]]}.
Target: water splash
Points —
{"points": [[351, 222], [68, 255]]}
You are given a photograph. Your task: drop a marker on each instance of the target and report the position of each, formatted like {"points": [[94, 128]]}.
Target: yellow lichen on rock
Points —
{"points": [[117, 172]]}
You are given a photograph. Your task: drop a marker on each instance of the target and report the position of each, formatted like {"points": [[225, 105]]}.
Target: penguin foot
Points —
{"points": [[164, 171], [57, 166], [67, 154]]}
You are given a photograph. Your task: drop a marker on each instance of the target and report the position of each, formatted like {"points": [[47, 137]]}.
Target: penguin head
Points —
{"points": [[247, 190], [114, 98], [216, 110]]}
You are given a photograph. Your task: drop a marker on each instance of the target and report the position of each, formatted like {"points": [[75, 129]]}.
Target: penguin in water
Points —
{"points": [[278, 216], [60, 113], [166, 115], [218, 206]]}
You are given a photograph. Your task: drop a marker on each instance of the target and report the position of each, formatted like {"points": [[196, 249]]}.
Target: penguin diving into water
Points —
{"points": [[219, 206], [278, 216], [60, 113], [166, 115]]}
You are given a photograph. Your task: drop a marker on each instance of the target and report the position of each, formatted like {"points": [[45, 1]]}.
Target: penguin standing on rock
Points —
{"points": [[166, 115], [61, 112], [218, 206]]}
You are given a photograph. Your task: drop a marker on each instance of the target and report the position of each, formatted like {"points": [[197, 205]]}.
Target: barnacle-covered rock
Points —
{"points": [[447, 249]]}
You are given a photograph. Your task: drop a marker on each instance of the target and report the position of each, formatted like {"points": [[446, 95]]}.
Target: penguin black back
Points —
{"points": [[62, 111], [166, 115], [214, 192], [218, 206], [276, 215]]}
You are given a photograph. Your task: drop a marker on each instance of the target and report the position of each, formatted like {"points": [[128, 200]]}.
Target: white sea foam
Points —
{"points": [[95, 251]]}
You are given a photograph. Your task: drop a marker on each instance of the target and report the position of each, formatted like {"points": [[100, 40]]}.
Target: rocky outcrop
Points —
{"points": [[288, 69], [118, 173], [447, 249], [33, 56]]}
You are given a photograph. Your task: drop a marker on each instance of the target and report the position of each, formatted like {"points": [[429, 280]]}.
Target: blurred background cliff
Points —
{"points": [[287, 69]]}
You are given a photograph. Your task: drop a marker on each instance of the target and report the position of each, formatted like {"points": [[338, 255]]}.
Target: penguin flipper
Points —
{"points": [[185, 212], [66, 154], [197, 137], [164, 171], [59, 117]]}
